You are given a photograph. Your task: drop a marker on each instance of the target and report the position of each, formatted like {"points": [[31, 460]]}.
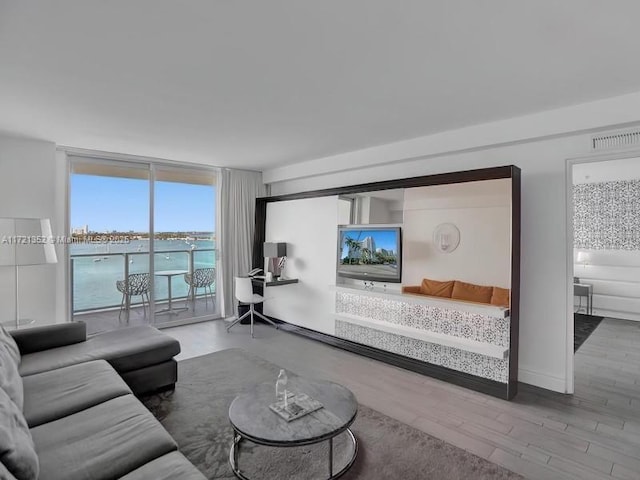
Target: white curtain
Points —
{"points": [[238, 192]]}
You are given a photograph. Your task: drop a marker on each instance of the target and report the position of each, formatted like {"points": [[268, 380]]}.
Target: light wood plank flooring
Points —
{"points": [[593, 434]]}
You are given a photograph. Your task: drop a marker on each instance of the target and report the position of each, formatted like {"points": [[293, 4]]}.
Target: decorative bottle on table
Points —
{"points": [[281, 388]]}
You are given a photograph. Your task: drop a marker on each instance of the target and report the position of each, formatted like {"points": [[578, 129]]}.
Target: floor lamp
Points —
{"points": [[25, 241]]}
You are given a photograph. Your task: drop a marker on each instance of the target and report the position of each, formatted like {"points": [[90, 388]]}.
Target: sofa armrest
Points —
{"points": [[411, 289], [50, 336]]}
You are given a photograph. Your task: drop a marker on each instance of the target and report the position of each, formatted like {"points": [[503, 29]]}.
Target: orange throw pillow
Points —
{"points": [[471, 292], [435, 288], [500, 297]]}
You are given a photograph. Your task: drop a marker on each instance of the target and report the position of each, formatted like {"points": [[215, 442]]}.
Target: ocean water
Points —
{"points": [[94, 278]]}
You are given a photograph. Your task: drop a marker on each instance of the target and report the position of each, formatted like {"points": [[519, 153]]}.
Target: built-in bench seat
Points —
{"points": [[472, 337]]}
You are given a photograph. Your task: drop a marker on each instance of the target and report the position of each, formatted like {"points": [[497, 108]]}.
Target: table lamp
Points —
{"points": [[273, 252], [25, 241]]}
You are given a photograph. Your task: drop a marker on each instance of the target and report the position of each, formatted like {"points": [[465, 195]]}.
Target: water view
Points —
{"points": [[94, 278]]}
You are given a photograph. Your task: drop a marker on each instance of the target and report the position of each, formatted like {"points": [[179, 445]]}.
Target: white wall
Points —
{"points": [[482, 213], [607, 171], [309, 227], [30, 176], [545, 276]]}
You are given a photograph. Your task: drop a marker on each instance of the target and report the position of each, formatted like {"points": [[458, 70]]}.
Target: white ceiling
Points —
{"points": [[254, 84]]}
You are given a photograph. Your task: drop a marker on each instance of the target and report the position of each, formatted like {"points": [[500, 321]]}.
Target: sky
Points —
{"points": [[122, 204]]}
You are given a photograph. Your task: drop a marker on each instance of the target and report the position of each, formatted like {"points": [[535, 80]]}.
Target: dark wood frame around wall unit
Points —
{"points": [[507, 391]]}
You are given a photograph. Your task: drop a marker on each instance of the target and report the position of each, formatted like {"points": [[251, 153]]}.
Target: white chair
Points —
{"points": [[244, 294]]}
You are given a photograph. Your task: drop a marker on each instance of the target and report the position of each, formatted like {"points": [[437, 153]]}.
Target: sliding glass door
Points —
{"points": [[143, 249], [184, 240]]}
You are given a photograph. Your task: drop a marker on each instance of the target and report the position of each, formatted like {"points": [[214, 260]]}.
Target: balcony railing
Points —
{"points": [[94, 275]]}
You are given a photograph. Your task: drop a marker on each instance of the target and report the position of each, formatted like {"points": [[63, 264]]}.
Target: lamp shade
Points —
{"points": [[26, 241], [581, 257], [272, 249]]}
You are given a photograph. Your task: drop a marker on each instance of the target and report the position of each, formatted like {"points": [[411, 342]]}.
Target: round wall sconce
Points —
{"points": [[446, 237]]}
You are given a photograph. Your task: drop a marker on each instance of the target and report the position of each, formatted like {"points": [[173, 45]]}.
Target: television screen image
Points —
{"points": [[370, 253]]}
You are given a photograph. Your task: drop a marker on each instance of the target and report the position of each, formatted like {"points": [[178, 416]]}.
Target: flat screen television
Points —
{"points": [[370, 253]]}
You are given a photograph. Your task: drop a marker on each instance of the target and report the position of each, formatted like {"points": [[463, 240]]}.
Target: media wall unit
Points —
{"points": [[467, 343]]}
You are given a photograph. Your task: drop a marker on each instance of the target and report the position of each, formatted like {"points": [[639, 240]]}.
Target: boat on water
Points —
{"points": [[97, 260]]}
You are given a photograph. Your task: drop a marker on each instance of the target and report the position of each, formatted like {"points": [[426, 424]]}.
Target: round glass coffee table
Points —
{"points": [[253, 420]]}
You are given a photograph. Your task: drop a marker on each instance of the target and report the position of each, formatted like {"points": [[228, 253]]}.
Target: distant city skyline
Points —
{"points": [[107, 204]]}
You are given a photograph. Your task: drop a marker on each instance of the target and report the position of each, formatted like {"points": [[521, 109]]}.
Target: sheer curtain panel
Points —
{"points": [[238, 192]]}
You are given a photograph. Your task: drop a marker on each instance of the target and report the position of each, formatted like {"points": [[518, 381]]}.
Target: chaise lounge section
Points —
{"points": [[143, 356], [68, 409]]}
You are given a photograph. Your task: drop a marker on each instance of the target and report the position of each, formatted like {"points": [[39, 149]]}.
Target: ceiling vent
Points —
{"points": [[611, 140]]}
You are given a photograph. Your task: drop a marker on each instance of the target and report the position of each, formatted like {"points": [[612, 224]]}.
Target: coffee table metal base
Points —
{"points": [[234, 455]]}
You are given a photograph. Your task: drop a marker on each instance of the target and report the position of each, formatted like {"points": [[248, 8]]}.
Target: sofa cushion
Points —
{"points": [[500, 297], [52, 395], [10, 380], [9, 344], [17, 452], [435, 288], [102, 442], [125, 349], [471, 292], [171, 466], [6, 474]]}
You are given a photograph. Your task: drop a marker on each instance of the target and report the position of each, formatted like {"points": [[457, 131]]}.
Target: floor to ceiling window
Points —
{"points": [[144, 244]]}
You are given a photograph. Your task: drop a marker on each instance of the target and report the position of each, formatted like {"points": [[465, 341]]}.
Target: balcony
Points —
{"points": [[96, 301]]}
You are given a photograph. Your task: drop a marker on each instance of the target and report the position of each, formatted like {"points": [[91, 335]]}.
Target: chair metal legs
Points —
{"points": [[251, 313], [192, 296], [123, 305]]}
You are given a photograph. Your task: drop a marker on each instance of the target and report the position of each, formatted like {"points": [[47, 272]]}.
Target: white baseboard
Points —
{"points": [[542, 380], [614, 314]]}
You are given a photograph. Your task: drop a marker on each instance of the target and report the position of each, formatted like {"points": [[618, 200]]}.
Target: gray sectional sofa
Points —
{"points": [[68, 410]]}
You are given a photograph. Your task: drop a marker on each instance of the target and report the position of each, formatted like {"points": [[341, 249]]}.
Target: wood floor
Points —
{"points": [[593, 434]]}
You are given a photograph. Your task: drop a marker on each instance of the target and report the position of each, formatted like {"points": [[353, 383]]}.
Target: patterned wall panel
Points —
{"points": [[472, 326], [454, 358], [607, 215]]}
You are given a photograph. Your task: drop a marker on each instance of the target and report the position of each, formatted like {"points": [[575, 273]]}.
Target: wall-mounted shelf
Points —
{"points": [[275, 283]]}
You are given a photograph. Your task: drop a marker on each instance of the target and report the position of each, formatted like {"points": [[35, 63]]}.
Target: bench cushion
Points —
{"points": [[102, 442], [126, 349], [171, 466], [58, 393], [500, 297], [471, 292], [436, 288]]}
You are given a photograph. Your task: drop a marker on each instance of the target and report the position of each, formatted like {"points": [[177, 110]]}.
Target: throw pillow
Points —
{"points": [[436, 288], [500, 297], [17, 451], [5, 474], [10, 380], [471, 292], [7, 341]]}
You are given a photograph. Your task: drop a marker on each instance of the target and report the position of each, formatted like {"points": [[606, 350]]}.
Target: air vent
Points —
{"points": [[609, 141]]}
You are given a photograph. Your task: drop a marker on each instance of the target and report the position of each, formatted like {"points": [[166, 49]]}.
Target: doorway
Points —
{"points": [[604, 259]]}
